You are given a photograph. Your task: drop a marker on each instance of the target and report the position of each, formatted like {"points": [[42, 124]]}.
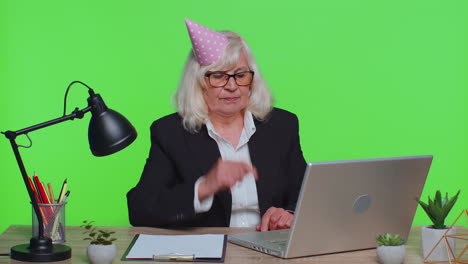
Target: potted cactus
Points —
{"points": [[391, 249], [101, 249], [437, 210]]}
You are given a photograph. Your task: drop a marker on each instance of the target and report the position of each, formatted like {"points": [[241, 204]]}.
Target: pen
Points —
{"points": [[47, 212], [51, 193], [36, 185], [36, 194], [57, 228], [33, 188], [40, 188], [45, 196], [173, 257], [62, 191], [65, 197]]}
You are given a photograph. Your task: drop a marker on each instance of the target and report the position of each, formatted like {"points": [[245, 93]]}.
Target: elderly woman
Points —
{"points": [[227, 158]]}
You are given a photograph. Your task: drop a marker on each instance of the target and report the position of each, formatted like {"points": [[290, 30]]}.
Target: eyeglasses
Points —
{"points": [[220, 79]]}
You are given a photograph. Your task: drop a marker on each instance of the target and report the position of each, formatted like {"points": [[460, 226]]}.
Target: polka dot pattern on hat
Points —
{"points": [[208, 45]]}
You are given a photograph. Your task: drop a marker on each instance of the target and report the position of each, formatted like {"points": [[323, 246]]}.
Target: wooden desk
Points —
{"points": [[16, 234]]}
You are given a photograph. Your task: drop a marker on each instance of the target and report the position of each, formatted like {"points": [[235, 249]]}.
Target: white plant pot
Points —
{"points": [[101, 254], [430, 237], [391, 254]]}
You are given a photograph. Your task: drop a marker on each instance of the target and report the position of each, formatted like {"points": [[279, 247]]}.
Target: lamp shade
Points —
{"points": [[108, 130]]}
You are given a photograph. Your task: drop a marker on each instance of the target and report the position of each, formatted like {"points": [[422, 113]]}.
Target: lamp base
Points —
{"points": [[40, 250]]}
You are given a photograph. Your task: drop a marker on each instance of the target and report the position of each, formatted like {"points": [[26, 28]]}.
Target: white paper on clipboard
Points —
{"points": [[201, 246]]}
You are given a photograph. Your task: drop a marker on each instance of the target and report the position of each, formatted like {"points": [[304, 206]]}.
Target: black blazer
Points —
{"points": [[164, 195]]}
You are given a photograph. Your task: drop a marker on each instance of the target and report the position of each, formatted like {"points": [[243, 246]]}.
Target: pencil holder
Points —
{"points": [[54, 221]]}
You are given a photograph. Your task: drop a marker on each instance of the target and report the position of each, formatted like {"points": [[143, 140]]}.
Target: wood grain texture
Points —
{"points": [[20, 234]]}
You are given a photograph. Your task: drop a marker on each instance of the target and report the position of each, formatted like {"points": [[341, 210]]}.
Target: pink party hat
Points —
{"points": [[208, 45]]}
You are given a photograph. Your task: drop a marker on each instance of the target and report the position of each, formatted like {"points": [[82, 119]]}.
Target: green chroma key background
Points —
{"points": [[367, 79]]}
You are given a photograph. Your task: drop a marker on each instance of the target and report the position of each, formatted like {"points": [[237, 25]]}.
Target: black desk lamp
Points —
{"points": [[108, 133]]}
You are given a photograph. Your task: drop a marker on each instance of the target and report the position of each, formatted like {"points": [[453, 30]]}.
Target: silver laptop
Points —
{"points": [[344, 205]]}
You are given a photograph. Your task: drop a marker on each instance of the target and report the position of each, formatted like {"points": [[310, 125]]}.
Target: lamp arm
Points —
{"points": [[75, 114], [11, 135]]}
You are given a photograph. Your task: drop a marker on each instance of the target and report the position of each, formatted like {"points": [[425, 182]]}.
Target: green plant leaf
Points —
{"points": [[97, 237], [445, 200], [438, 199], [389, 240], [437, 210], [426, 208]]}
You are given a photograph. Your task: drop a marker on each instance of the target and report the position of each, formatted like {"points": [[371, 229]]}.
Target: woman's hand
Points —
{"points": [[275, 219], [223, 175]]}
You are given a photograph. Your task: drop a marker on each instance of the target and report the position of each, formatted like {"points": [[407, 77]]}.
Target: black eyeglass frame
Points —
{"points": [[208, 74]]}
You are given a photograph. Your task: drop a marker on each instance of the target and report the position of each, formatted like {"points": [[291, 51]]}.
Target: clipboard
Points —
{"points": [[177, 248]]}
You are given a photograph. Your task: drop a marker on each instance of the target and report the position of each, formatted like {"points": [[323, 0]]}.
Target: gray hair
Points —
{"points": [[189, 99]]}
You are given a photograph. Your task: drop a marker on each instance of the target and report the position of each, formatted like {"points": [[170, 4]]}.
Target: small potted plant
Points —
{"points": [[391, 249], [101, 250], [437, 210]]}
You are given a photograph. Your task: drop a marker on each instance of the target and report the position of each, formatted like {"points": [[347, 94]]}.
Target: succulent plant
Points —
{"points": [[97, 237], [439, 208], [389, 240]]}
